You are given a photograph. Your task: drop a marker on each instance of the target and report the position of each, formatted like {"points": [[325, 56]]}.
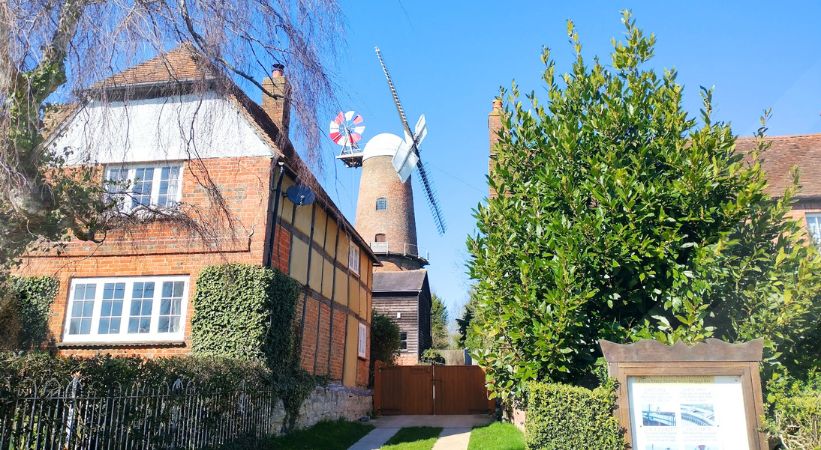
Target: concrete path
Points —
{"points": [[455, 433], [453, 439], [375, 439]]}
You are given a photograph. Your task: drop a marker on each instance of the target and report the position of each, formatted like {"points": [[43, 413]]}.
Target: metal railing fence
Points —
{"points": [[55, 415]]}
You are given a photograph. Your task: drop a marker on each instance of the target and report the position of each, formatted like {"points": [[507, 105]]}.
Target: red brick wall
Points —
{"points": [[159, 248]]}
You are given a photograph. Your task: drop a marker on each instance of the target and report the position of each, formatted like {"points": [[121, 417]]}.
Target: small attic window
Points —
{"points": [[380, 237], [381, 204]]}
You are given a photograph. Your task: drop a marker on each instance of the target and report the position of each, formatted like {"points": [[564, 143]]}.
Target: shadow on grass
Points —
{"points": [[337, 435], [413, 438]]}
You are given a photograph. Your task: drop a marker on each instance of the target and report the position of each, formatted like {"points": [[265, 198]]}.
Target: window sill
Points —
{"points": [[126, 344]]}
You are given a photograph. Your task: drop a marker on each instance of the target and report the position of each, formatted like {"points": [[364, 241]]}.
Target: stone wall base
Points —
{"points": [[331, 402]]}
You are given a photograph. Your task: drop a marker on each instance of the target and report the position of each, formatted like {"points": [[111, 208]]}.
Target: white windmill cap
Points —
{"points": [[383, 144]]}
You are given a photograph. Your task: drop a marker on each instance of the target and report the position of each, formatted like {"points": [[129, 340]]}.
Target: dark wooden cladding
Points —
{"points": [[654, 351], [422, 390]]}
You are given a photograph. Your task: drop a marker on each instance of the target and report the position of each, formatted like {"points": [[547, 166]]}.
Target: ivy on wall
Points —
{"points": [[247, 312], [25, 304]]}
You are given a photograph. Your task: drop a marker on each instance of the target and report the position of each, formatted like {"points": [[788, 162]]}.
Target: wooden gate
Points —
{"points": [[418, 390]]}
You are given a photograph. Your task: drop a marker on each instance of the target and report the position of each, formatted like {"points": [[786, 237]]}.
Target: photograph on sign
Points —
{"points": [[687, 412]]}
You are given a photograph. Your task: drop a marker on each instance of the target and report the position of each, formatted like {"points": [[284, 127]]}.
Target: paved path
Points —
{"points": [[453, 439], [455, 430]]}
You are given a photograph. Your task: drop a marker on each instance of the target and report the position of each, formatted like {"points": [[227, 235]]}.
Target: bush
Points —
{"points": [[385, 340], [562, 416], [25, 304], [431, 356], [795, 412]]}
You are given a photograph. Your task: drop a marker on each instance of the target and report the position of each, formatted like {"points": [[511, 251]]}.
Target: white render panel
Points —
{"points": [[158, 129]]}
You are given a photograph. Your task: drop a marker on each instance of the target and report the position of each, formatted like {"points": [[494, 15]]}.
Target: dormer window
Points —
{"points": [[381, 204], [144, 185]]}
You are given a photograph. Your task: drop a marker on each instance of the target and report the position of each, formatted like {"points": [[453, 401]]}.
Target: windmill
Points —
{"points": [[407, 156]]}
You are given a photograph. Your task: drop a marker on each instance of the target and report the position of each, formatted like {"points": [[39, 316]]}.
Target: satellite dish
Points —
{"points": [[300, 195]]}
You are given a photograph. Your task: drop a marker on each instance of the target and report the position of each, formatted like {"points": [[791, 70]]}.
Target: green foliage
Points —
{"points": [[25, 304], [439, 323], [496, 436], [103, 371], [247, 312], [431, 356], [385, 340], [464, 323], [620, 217], [794, 411], [561, 416]]}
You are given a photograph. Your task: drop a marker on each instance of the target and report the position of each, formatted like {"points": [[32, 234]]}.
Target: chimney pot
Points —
{"points": [[279, 70]]}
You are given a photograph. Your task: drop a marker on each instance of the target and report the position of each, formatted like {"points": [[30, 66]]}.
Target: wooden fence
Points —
{"points": [[180, 415]]}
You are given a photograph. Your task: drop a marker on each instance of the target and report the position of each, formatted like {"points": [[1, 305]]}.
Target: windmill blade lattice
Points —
{"points": [[430, 197], [430, 193]]}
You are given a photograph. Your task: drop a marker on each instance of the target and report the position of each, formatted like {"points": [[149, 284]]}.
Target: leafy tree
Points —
{"points": [[621, 217], [385, 340], [463, 323], [439, 323]]}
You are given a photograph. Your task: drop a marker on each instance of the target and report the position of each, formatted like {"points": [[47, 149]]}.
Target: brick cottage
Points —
{"points": [[162, 129]]}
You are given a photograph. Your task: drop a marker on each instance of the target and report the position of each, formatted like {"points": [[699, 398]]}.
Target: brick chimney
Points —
{"points": [[494, 125], [278, 107]]}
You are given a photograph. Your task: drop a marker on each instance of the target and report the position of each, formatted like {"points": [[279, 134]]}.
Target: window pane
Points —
{"points": [[143, 182], [381, 204], [814, 228], [82, 307], [116, 185], [169, 185], [112, 308], [171, 306], [141, 302]]}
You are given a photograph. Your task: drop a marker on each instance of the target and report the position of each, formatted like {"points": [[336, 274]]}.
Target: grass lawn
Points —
{"points": [[325, 435], [497, 436], [413, 438]]}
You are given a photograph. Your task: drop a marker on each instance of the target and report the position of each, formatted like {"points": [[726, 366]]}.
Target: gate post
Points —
{"points": [[377, 387]]}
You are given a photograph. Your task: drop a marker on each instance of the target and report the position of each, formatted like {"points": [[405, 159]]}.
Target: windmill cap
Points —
{"points": [[383, 144]]}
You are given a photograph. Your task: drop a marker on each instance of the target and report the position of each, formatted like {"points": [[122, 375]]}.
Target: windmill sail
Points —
{"points": [[407, 157]]}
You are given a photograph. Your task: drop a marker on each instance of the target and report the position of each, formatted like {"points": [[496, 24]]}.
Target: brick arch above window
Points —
{"points": [[380, 237]]}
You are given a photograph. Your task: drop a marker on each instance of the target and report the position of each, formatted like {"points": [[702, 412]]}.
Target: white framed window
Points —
{"points": [[814, 228], [157, 185], [403, 340], [362, 349], [126, 309], [353, 258]]}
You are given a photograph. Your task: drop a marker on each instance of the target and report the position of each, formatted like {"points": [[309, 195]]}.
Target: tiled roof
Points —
{"points": [[404, 281], [785, 152], [181, 64]]}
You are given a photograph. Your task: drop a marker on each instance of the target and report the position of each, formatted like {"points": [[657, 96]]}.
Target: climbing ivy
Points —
{"points": [[247, 312]]}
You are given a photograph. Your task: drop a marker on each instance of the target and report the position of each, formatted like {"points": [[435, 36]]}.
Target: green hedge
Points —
{"points": [[25, 305], [103, 371], [246, 312], [563, 417]]}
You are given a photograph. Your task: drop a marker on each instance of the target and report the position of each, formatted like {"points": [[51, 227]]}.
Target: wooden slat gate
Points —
{"points": [[418, 390]]}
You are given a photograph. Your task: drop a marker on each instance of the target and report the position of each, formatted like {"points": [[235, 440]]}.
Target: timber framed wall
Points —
{"points": [[313, 248]]}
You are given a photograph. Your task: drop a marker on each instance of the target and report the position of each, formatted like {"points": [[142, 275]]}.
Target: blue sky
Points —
{"points": [[448, 60]]}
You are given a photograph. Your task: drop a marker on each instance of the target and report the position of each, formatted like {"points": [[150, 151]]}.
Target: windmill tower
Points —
{"points": [[385, 210]]}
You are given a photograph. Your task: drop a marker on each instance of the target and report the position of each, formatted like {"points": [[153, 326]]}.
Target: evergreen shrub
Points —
{"points": [[561, 416]]}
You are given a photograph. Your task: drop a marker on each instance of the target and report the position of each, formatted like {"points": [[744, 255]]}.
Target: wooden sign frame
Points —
{"points": [[711, 358]]}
